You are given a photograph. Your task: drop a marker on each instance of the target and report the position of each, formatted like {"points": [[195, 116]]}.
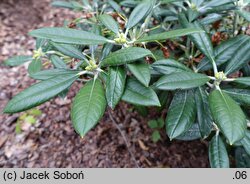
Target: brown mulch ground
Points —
{"points": [[52, 142]]}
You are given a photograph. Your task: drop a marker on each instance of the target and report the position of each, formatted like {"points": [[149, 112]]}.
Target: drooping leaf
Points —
{"points": [[201, 40], [107, 48], [17, 60], [140, 12], [228, 116], [35, 66], [242, 158], [181, 113], [181, 80], [109, 22], [239, 59], [169, 1], [241, 96], [62, 4], [246, 142], [70, 36], [204, 117], [243, 80], [51, 73], [137, 94], [244, 14], [58, 62], [125, 56], [168, 66], [141, 71], [192, 133], [169, 34], [88, 107], [218, 155], [115, 85], [39, 93], [69, 50], [224, 52], [246, 70]]}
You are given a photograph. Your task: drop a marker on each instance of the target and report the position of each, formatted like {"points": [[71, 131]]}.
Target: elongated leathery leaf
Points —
{"points": [[69, 50], [141, 11], [192, 133], [109, 22], [70, 36], [243, 80], [224, 52], [239, 58], [17, 60], [58, 62], [169, 34], [141, 71], [246, 142], [88, 107], [241, 96], [228, 116], [47, 74], [204, 116], [242, 158], [35, 66], [201, 40], [137, 94], [39, 93], [168, 66], [181, 113], [181, 80], [218, 156], [125, 56], [115, 85]]}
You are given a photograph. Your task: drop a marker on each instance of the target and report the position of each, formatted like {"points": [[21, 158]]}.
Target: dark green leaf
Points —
{"points": [[242, 158], [204, 117], [137, 94], [181, 113], [168, 66], [109, 22], [140, 12], [69, 50], [243, 80], [169, 34], [35, 66], [88, 107], [125, 56], [51, 73], [62, 4], [17, 60], [228, 116], [39, 93], [246, 142], [70, 36], [244, 14], [201, 40], [241, 96], [115, 85], [224, 52], [192, 133], [218, 156], [58, 62], [181, 80], [239, 58], [141, 71]]}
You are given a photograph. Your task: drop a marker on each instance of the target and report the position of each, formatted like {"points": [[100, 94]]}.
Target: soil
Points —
{"points": [[51, 141]]}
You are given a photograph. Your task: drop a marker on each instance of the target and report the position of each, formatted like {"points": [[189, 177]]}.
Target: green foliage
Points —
{"points": [[150, 53]]}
